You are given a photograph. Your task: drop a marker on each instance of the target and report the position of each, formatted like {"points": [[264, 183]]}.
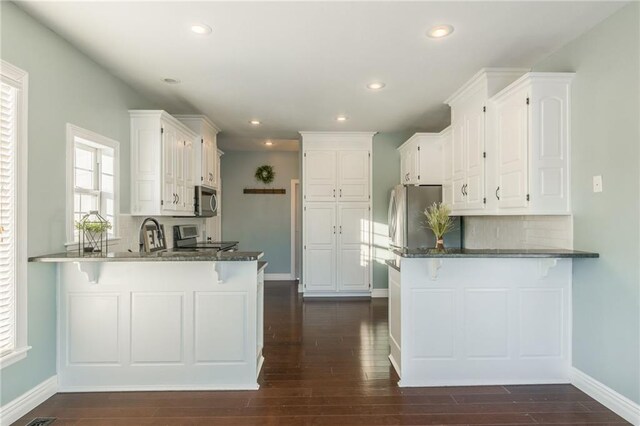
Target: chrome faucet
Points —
{"points": [[141, 231]]}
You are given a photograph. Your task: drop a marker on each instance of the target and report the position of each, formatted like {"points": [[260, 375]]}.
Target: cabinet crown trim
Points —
{"points": [[200, 117], [532, 77], [480, 78], [162, 115]]}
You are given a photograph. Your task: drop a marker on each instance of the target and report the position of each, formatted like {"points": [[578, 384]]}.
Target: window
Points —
{"points": [[13, 185], [92, 179]]}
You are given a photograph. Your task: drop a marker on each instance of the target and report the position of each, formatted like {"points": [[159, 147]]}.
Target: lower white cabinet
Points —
{"points": [[336, 247]]}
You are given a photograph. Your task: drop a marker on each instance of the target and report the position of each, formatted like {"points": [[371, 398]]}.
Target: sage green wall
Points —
{"points": [[65, 86], [605, 141], [386, 174], [259, 222]]}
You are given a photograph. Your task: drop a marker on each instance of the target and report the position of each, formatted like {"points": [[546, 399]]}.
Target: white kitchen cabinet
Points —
{"points": [[468, 128], [532, 145], [214, 224], [447, 166], [320, 175], [421, 160], [320, 247], [336, 218], [162, 165], [353, 175], [206, 169], [353, 246]]}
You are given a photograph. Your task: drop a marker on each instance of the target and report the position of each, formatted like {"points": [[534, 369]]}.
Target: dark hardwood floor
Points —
{"points": [[326, 364]]}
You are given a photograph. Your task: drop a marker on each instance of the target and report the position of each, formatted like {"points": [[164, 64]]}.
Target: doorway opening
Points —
{"points": [[296, 232]]}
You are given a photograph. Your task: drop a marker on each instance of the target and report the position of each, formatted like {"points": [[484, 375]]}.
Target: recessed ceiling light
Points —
{"points": [[341, 118], [171, 80], [268, 143], [255, 122], [201, 29], [440, 31], [375, 85]]}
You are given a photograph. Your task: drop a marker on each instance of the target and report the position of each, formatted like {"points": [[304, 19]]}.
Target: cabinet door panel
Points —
{"points": [[353, 175], [474, 125], [168, 168], [457, 143], [458, 197], [512, 142], [320, 175], [320, 246], [353, 249]]}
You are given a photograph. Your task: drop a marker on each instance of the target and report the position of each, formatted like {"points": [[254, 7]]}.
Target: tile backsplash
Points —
{"points": [[518, 232]]}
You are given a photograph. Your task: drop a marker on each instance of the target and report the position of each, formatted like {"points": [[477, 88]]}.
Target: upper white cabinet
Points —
{"points": [[468, 134], [336, 193], [421, 160], [162, 165], [532, 145], [206, 168], [507, 152]]}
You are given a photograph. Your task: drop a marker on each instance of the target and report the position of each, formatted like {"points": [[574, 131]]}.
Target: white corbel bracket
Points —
{"points": [[434, 266], [220, 269], [545, 265], [91, 270]]}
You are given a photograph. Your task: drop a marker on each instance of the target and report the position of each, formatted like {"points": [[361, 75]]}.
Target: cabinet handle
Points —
{"points": [[465, 189], [462, 189], [498, 193]]}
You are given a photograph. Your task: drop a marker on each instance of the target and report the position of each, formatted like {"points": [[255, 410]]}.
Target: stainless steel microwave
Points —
{"points": [[206, 202]]}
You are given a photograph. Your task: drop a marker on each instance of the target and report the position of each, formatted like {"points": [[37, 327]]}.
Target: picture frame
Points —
{"points": [[152, 241]]}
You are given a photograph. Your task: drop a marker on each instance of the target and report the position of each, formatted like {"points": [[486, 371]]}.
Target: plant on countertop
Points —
{"points": [[439, 221], [265, 174], [93, 227]]}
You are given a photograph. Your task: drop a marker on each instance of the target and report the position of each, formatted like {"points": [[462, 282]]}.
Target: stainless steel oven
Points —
{"points": [[206, 202]]}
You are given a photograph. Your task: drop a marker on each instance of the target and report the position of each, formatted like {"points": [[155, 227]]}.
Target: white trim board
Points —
{"points": [[29, 400], [619, 404], [381, 293], [278, 277]]}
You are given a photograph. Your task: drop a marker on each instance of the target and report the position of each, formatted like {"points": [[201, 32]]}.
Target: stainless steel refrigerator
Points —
{"points": [[407, 222]]}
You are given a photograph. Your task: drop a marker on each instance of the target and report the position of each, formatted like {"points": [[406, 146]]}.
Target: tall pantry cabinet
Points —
{"points": [[336, 217]]}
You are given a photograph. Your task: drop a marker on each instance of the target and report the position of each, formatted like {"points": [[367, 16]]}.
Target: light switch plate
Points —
{"points": [[597, 183]]}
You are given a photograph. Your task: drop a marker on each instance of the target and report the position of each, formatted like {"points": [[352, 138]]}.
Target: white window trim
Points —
{"points": [[20, 78], [74, 131]]}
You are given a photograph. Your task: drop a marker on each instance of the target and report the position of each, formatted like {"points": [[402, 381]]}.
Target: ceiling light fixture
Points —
{"points": [[268, 143], [341, 118], [201, 29], [171, 80], [440, 31], [255, 122], [375, 85]]}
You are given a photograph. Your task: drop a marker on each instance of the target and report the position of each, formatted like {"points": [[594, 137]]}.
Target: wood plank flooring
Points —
{"points": [[326, 364]]}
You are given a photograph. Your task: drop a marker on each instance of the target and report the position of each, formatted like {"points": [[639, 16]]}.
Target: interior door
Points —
{"points": [[512, 143], [353, 247], [168, 168], [353, 175], [474, 126], [320, 177], [320, 246]]}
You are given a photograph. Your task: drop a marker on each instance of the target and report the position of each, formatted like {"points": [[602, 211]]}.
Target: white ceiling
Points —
{"points": [[297, 65]]}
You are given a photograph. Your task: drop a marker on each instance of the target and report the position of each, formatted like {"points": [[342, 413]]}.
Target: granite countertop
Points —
{"points": [[159, 256], [493, 253]]}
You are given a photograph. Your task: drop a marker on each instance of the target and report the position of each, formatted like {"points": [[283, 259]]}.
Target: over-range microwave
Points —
{"points": [[206, 202]]}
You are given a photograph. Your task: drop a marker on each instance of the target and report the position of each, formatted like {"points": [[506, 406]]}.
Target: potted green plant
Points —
{"points": [[92, 228], [439, 221]]}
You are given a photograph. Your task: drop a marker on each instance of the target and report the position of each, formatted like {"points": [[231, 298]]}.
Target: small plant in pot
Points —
{"points": [[439, 221], [93, 228]]}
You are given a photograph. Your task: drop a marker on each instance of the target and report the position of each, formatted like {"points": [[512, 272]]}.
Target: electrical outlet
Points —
{"points": [[597, 183]]}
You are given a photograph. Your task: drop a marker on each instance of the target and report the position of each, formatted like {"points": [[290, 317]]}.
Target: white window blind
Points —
{"points": [[8, 123]]}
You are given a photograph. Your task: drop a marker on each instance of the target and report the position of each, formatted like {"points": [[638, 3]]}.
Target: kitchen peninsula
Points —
{"points": [[168, 320], [481, 317]]}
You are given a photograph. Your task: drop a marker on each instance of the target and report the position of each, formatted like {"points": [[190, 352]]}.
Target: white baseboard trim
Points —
{"points": [[278, 277], [300, 288], [619, 404], [334, 294], [380, 292], [154, 388], [29, 400]]}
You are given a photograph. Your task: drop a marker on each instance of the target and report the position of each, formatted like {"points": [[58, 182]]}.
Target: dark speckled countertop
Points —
{"points": [[159, 256], [482, 253]]}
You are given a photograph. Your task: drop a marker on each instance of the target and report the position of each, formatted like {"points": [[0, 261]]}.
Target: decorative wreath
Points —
{"points": [[265, 174]]}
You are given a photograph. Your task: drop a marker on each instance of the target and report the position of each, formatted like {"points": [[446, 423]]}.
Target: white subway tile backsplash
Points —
{"points": [[518, 232]]}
